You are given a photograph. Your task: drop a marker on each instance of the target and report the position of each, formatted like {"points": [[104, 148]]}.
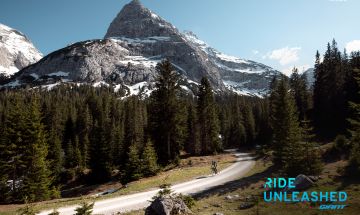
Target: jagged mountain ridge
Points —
{"points": [[16, 51], [135, 42], [239, 75]]}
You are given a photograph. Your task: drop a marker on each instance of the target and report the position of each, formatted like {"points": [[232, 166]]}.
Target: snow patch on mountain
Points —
{"points": [[139, 60], [143, 89], [152, 39], [246, 70], [239, 89], [228, 58], [59, 74], [8, 71]]}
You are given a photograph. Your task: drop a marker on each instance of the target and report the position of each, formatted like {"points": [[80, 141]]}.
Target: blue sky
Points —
{"points": [[279, 33]]}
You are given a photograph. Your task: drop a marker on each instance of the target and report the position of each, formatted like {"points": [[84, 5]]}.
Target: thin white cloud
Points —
{"points": [[255, 52], [353, 46], [284, 55], [288, 70]]}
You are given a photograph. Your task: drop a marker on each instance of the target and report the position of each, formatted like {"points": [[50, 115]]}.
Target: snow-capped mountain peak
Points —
{"points": [[136, 40], [16, 51]]}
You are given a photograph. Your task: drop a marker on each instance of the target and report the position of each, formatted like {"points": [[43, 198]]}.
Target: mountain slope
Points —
{"points": [[310, 76], [239, 75], [16, 51], [136, 40]]}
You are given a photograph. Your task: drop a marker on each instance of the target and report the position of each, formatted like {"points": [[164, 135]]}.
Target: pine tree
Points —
{"points": [[37, 180], [311, 157], [354, 161], [192, 141], [118, 147], [208, 120], [287, 132], [352, 87], [225, 121], [4, 167], [273, 97], [249, 124], [299, 87], [149, 160], [263, 129], [70, 155], [71, 147], [134, 123], [11, 162], [83, 126], [55, 156], [77, 154], [101, 160], [330, 92], [237, 135], [167, 119], [53, 124], [133, 165]]}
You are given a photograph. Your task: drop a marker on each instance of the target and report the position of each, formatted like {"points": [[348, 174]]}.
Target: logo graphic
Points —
{"points": [[284, 190]]}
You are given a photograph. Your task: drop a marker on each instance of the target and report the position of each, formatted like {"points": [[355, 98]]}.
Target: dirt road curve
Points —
{"points": [[242, 165]]}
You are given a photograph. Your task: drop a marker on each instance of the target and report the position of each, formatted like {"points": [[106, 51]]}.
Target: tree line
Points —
{"points": [[303, 116], [89, 135]]}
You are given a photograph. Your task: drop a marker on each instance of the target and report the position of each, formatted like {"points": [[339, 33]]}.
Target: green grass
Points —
{"points": [[173, 176]]}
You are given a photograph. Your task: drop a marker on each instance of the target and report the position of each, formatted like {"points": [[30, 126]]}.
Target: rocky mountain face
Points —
{"points": [[135, 42], [16, 51], [239, 75], [310, 76]]}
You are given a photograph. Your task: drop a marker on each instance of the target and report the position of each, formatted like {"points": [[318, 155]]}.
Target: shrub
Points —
{"points": [[354, 161], [85, 208], [165, 191], [340, 149], [188, 200], [149, 160], [342, 144]]}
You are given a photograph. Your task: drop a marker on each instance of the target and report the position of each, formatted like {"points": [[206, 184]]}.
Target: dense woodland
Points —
{"points": [[91, 135]]}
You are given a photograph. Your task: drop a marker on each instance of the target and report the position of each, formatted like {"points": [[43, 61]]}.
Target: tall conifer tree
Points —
{"points": [[300, 90], [37, 180], [287, 132], [167, 116], [208, 119]]}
